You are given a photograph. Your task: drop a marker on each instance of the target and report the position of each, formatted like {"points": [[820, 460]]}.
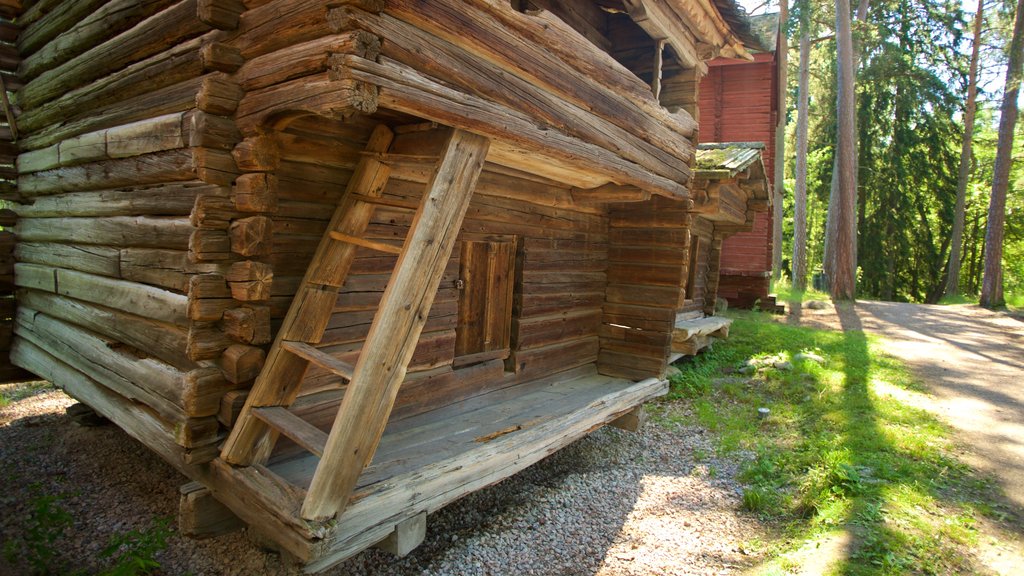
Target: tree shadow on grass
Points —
{"points": [[911, 507]]}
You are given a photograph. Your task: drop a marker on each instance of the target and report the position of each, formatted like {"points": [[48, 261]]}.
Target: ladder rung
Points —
{"points": [[379, 246], [390, 202], [301, 432], [321, 359]]}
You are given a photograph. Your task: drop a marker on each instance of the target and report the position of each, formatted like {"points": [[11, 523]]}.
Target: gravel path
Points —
{"points": [[611, 504]]}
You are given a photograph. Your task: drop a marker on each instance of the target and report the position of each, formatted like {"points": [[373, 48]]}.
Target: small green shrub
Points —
{"points": [[755, 499], [133, 552], [45, 526]]}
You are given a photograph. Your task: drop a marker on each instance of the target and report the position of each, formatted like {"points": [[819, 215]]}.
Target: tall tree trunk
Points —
{"points": [[953, 271], [828, 259], [844, 239], [781, 59], [800, 191], [992, 282]]}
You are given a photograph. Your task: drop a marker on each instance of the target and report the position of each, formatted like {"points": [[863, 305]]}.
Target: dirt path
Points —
{"points": [[973, 361]]}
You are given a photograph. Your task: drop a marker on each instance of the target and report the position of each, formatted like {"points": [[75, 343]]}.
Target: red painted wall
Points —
{"points": [[739, 103]]}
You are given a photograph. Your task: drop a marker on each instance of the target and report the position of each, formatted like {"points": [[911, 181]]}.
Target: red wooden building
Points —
{"points": [[739, 103]]}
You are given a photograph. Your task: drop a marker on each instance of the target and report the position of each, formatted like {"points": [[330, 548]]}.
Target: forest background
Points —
{"points": [[911, 90]]}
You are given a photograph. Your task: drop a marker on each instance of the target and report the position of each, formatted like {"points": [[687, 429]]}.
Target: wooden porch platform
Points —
{"points": [[428, 461]]}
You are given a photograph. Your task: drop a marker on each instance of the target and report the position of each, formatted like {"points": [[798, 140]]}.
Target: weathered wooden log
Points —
{"points": [[546, 50], [200, 515], [137, 299], [125, 87], [151, 36], [454, 65], [221, 58], [214, 166], [93, 28], [405, 90], [161, 340], [220, 14], [248, 324], [124, 231], [44, 20], [214, 212], [207, 130], [305, 59], [210, 245], [260, 32], [219, 94], [158, 385], [251, 236], [242, 363], [137, 420], [170, 269], [102, 260], [174, 199], [170, 166], [258, 153], [255, 192], [250, 281], [206, 341], [326, 94]]}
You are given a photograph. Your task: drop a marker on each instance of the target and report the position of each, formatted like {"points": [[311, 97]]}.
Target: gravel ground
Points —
{"points": [[614, 503]]}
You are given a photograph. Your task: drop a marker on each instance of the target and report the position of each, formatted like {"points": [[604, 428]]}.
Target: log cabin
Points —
{"points": [[343, 262], [739, 102]]}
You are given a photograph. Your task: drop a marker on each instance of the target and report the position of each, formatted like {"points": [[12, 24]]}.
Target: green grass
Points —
{"points": [[1015, 301], [838, 451], [958, 299], [10, 393], [784, 292]]}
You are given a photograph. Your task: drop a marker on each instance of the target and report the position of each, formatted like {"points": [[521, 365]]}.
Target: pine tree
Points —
{"points": [[992, 283]]}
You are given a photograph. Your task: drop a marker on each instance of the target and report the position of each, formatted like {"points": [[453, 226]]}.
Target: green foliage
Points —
{"points": [[46, 524], [911, 82], [133, 552], [130, 554], [841, 449]]}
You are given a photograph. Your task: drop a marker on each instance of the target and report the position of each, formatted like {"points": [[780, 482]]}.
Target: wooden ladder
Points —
{"points": [[374, 380]]}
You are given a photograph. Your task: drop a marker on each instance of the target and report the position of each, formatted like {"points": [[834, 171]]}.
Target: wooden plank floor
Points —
{"points": [[427, 461]]}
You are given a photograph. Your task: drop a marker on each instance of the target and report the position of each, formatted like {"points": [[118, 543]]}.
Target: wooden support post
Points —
{"points": [[408, 535], [200, 515], [659, 58], [251, 440], [396, 328], [631, 421]]}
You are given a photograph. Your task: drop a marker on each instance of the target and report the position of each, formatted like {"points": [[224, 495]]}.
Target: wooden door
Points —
{"points": [[485, 304]]}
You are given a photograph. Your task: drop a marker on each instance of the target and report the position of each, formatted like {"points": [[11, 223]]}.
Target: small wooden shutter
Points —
{"points": [[691, 280], [485, 304]]}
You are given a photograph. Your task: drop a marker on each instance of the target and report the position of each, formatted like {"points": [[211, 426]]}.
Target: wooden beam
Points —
{"points": [[661, 24], [392, 339]]}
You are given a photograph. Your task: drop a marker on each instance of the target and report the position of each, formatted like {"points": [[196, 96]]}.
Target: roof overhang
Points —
{"points": [[730, 184]]}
